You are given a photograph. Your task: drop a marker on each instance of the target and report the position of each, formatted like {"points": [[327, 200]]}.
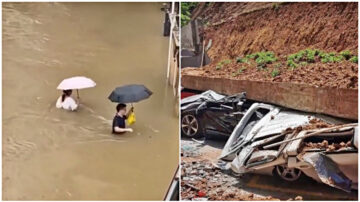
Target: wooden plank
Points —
{"points": [[325, 100]]}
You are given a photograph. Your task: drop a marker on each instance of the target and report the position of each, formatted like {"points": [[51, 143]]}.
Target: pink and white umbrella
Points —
{"points": [[77, 82]]}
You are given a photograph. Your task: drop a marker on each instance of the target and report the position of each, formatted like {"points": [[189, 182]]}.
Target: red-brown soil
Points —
{"points": [[340, 75], [238, 29], [288, 29]]}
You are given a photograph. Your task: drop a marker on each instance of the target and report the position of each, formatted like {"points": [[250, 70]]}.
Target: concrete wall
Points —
{"points": [[337, 102]]}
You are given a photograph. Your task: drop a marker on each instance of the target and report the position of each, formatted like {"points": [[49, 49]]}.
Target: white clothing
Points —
{"points": [[68, 104]]}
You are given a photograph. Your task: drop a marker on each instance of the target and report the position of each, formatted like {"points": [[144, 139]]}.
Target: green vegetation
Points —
{"points": [[291, 64], [303, 63], [262, 58], [331, 57], [242, 60], [275, 6], [239, 71], [354, 59], [222, 63], [186, 9], [346, 54], [250, 56], [275, 72], [306, 56], [299, 59]]}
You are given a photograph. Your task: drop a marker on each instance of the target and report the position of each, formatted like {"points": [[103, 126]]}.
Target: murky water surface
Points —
{"points": [[53, 154]]}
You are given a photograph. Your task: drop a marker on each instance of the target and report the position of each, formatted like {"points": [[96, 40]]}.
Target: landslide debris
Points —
{"points": [[312, 43], [324, 144], [202, 180]]}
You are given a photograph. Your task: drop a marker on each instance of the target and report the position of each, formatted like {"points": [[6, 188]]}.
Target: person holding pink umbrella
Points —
{"points": [[65, 101]]}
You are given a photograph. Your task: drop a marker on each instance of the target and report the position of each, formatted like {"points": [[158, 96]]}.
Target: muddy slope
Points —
{"points": [[238, 29], [281, 28]]}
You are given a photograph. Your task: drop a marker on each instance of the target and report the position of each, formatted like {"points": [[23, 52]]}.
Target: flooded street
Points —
{"points": [[52, 154]]}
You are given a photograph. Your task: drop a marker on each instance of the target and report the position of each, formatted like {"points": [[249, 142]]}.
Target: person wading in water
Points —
{"points": [[66, 102], [118, 126]]}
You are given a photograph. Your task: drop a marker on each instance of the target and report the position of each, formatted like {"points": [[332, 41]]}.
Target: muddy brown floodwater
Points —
{"points": [[57, 155]]}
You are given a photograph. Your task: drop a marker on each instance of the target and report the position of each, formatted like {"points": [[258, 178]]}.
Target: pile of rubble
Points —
{"points": [[329, 147], [317, 124], [201, 180]]}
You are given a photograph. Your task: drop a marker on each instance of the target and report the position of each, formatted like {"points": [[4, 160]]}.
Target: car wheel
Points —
{"points": [[190, 126], [288, 174]]}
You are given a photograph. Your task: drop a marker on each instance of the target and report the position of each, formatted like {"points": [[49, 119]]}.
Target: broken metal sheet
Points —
{"points": [[262, 155], [328, 171], [281, 121], [207, 95], [292, 147], [266, 140], [317, 132], [244, 131], [283, 146], [238, 164], [356, 137], [271, 124]]}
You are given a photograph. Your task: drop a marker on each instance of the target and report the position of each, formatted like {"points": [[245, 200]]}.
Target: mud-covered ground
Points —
{"points": [[239, 29], [202, 179]]}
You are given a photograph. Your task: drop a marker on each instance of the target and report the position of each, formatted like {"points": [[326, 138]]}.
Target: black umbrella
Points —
{"points": [[129, 94]]}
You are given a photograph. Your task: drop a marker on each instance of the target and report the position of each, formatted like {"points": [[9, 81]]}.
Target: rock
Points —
{"points": [[194, 172], [325, 143], [348, 144], [298, 198], [331, 148]]}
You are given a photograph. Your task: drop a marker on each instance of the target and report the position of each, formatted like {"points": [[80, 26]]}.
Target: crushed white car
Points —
{"points": [[272, 140]]}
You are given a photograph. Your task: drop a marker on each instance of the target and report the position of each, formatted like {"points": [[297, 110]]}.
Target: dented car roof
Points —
{"points": [[272, 123]]}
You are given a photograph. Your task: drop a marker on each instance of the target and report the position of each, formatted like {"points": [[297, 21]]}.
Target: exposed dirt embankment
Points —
{"points": [[238, 30], [281, 28]]}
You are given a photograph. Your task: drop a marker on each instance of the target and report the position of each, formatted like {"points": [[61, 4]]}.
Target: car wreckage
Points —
{"points": [[212, 113], [278, 141]]}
